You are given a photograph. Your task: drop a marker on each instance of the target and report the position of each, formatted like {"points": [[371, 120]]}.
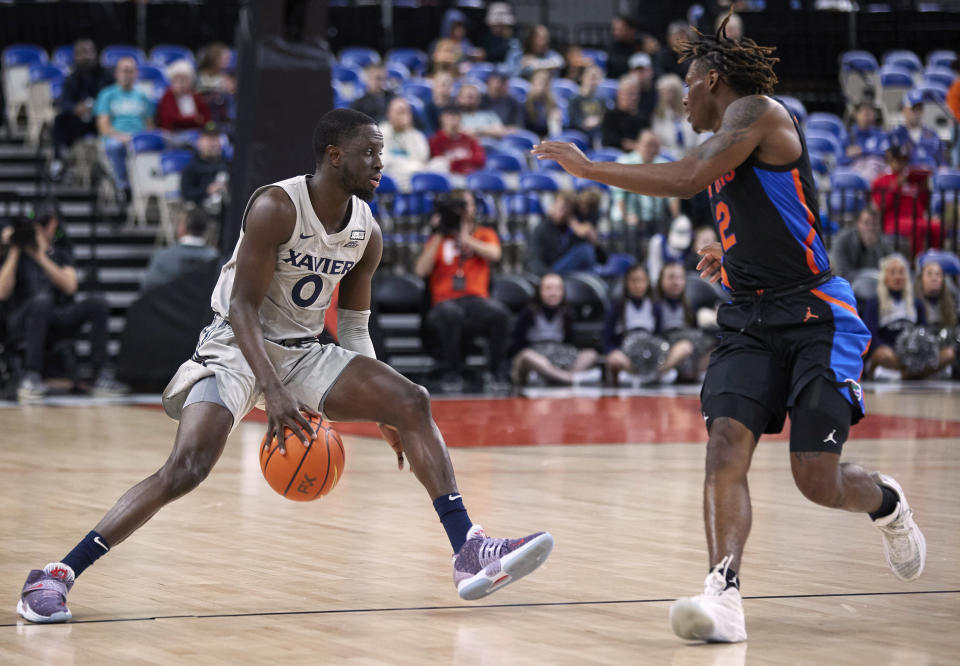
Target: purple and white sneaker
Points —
{"points": [[44, 595], [484, 565]]}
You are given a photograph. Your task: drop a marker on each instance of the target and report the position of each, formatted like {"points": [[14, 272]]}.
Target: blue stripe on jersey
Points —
{"points": [[851, 337], [782, 192]]}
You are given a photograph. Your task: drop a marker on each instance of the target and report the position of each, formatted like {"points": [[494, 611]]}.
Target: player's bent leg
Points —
{"points": [[203, 431], [368, 390]]}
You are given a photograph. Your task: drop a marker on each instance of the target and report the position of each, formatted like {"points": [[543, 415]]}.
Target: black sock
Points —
{"points": [[732, 580], [454, 517], [86, 553], [888, 505]]}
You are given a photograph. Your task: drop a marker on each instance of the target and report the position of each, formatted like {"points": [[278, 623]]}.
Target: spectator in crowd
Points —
{"points": [[669, 120], [475, 119], [586, 108], [641, 68], [937, 300], [632, 327], [39, 282], [925, 146], [702, 237], [204, 181], [499, 44], [542, 336], [678, 323], [623, 30], [561, 243], [644, 215], [953, 103], [902, 196], [190, 252], [673, 246], [734, 29], [867, 142], [122, 110], [893, 312], [452, 149], [541, 115], [405, 148], [538, 55], [622, 124], [75, 119], [181, 107], [677, 33], [454, 26], [216, 83], [441, 96], [456, 260], [499, 100], [861, 246], [446, 57], [576, 63], [374, 102]]}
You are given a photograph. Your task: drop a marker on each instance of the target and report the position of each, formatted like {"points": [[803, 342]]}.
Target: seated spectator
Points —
{"points": [[633, 328], [122, 110], [216, 84], [537, 53], [678, 323], [456, 260], [586, 108], [926, 148], [866, 143], [861, 246], [575, 63], [893, 312], [374, 102], [669, 119], [644, 215], [405, 148], [75, 119], [561, 243], [499, 100], [39, 282], [446, 57], [476, 120], [190, 252], [541, 115], [500, 45], [204, 181], [441, 96], [542, 336], [902, 195], [673, 246], [625, 42], [936, 298], [454, 27], [702, 237], [622, 124], [734, 29], [453, 150], [641, 68], [181, 107], [678, 32]]}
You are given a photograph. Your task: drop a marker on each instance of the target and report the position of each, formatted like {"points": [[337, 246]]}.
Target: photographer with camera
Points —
{"points": [[457, 259], [38, 283]]}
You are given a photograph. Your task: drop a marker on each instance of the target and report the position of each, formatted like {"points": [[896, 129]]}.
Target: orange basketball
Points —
{"points": [[304, 473]]}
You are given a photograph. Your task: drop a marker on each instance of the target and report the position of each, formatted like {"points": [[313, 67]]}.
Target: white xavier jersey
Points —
{"points": [[309, 266]]}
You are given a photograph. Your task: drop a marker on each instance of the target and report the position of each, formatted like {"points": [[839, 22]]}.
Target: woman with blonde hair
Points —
{"points": [[669, 120]]}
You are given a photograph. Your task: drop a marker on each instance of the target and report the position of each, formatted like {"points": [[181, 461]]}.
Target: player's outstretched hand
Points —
{"points": [[566, 155], [285, 412], [709, 265], [392, 436]]}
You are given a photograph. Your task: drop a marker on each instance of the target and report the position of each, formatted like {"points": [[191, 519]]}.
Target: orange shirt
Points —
{"points": [[953, 98], [475, 270]]}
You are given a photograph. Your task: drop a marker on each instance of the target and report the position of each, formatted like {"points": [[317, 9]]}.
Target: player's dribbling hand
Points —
{"points": [[566, 155], [709, 265], [392, 436], [285, 412]]}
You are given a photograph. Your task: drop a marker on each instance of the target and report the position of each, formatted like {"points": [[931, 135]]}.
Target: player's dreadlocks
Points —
{"points": [[746, 66]]}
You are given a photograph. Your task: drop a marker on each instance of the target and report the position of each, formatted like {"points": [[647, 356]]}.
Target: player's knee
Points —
{"points": [[182, 473], [728, 448], [818, 484], [415, 402]]}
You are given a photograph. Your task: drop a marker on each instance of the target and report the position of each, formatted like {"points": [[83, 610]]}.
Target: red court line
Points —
{"points": [[609, 420]]}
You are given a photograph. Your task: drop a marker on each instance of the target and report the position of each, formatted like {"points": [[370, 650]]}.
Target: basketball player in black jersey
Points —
{"points": [[790, 340]]}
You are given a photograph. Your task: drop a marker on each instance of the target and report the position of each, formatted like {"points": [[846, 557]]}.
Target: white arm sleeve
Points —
{"points": [[352, 331]]}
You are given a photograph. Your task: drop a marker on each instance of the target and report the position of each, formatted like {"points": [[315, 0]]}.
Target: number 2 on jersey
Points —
{"points": [[722, 211]]}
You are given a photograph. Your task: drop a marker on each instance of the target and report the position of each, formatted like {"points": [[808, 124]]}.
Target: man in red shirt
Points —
{"points": [[902, 195], [457, 259], [460, 153]]}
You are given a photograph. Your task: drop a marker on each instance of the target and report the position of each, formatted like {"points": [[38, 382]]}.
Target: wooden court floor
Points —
{"points": [[234, 574]]}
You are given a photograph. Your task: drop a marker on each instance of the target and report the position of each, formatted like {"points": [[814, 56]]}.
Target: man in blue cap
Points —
{"points": [[926, 148]]}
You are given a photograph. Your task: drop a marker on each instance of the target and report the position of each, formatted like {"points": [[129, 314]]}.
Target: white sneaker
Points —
{"points": [[903, 542], [716, 616]]}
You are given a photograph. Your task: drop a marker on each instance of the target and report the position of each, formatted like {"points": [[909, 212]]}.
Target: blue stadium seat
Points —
{"points": [[940, 59], [538, 182], [519, 88], [486, 181], [895, 77], [505, 163], [903, 59], [143, 142], [576, 137], [933, 92], [824, 143], [827, 122], [111, 54], [605, 155], [426, 181], [564, 89], [795, 106], [174, 161], [946, 189], [819, 164], [520, 139], [398, 72], [153, 78], [948, 260], [162, 55], [408, 205], [598, 56], [486, 206], [862, 61], [608, 90], [467, 80], [418, 108], [24, 54], [63, 56], [941, 77], [419, 89], [480, 70], [358, 56], [586, 183], [38, 73], [387, 185], [524, 203], [414, 59], [849, 192]]}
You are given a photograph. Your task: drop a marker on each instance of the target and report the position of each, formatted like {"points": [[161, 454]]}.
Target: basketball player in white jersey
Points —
{"points": [[300, 238]]}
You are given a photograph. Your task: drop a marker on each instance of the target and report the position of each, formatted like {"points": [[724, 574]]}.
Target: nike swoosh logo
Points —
{"points": [[97, 541], [310, 236], [35, 587], [453, 497]]}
